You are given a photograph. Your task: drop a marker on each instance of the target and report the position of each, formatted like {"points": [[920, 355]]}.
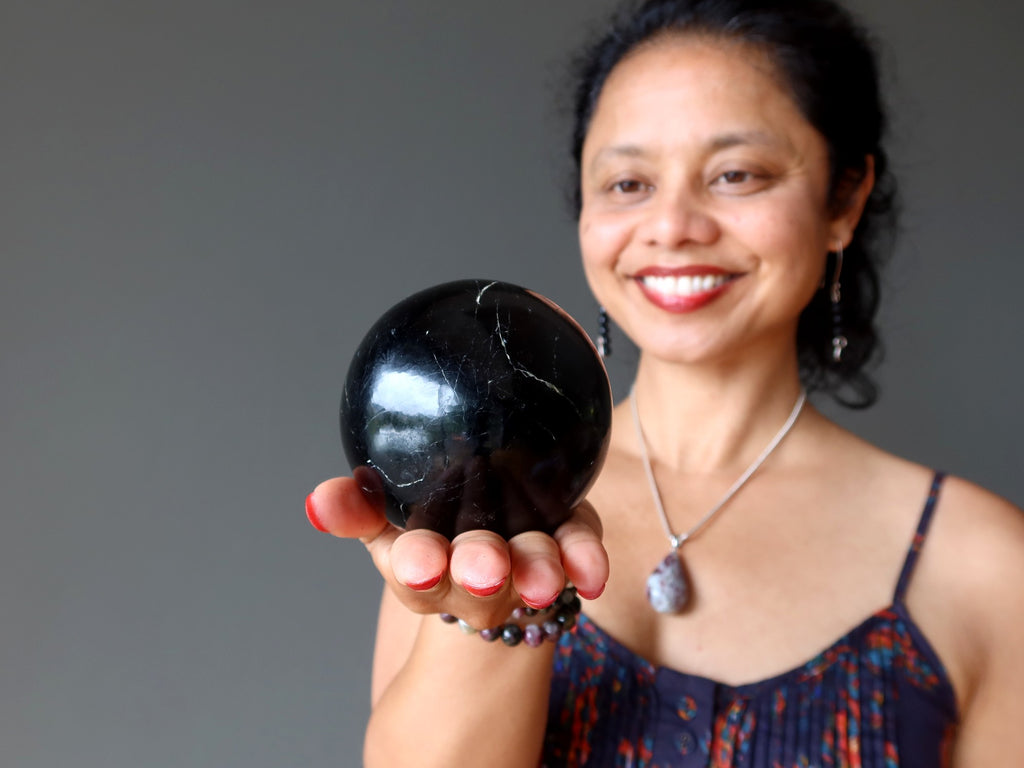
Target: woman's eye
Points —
{"points": [[740, 182], [736, 177], [628, 186]]}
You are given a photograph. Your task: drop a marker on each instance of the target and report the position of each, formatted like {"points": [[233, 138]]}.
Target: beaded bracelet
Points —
{"points": [[557, 618]]}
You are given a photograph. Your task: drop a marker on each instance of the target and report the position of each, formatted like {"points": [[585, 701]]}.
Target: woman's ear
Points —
{"points": [[850, 197]]}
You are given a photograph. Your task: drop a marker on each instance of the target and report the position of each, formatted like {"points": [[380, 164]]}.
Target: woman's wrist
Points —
{"points": [[533, 626]]}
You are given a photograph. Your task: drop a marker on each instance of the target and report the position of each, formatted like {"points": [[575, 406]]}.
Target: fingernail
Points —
{"points": [[591, 595], [542, 604], [423, 586], [311, 515], [484, 591]]}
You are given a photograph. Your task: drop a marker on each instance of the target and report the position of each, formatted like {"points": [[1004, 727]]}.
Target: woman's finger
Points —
{"points": [[343, 508], [537, 573], [480, 590], [418, 561], [583, 555], [479, 562]]}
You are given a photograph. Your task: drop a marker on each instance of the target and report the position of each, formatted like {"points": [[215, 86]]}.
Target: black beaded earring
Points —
{"points": [[604, 341], [839, 341]]}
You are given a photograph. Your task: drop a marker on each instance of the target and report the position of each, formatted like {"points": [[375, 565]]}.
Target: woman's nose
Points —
{"points": [[678, 218]]}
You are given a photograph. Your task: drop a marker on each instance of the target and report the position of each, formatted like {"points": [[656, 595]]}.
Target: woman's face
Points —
{"points": [[705, 219]]}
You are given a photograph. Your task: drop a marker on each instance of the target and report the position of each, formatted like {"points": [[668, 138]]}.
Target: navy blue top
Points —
{"points": [[878, 697]]}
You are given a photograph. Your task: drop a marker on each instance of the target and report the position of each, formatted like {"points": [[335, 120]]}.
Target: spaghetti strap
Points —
{"points": [[919, 536]]}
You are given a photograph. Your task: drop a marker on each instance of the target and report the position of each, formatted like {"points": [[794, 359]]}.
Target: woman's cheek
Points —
{"points": [[602, 240]]}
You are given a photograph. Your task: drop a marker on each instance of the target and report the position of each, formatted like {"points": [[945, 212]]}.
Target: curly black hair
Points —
{"points": [[830, 67]]}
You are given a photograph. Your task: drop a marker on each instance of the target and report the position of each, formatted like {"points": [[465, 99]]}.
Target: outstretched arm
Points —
{"points": [[441, 697]]}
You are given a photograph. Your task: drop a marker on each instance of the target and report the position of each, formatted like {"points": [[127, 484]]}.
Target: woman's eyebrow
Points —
{"points": [[716, 144], [727, 140], [619, 150]]}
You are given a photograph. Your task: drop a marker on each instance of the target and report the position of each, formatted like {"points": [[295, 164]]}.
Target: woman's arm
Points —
{"points": [[990, 561], [441, 697], [454, 699]]}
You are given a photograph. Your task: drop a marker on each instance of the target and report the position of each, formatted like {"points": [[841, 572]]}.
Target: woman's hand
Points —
{"points": [[478, 576]]}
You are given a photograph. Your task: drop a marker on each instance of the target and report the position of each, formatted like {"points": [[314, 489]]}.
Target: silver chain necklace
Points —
{"points": [[668, 589]]}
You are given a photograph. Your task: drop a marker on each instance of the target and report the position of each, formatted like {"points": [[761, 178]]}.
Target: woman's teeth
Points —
{"points": [[684, 285]]}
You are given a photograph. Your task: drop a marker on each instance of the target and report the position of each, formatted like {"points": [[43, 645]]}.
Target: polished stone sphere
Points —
{"points": [[477, 404]]}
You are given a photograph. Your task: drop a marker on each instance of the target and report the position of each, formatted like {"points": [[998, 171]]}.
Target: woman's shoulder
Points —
{"points": [[971, 585], [978, 541], [971, 563], [981, 538], [973, 556], [980, 506], [967, 507], [967, 592]]}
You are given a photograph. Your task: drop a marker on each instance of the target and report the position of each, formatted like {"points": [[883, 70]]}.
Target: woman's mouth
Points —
{"points": [[684, 290], [684, 285]]}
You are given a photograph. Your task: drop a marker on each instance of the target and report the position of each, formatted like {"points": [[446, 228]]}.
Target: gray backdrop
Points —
{"points": [[204, 206]]}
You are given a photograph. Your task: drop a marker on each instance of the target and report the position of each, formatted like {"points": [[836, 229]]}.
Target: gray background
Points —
{"points": [[204, 206]]}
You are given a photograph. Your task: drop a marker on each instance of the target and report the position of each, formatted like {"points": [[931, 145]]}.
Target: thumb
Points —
{"points": [[349, 507]]}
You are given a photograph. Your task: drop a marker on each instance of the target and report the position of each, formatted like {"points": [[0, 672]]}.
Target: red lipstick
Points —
{"points": [[686, 301]]}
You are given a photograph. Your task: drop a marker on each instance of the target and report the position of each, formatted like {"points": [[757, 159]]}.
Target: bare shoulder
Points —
{"points": [[966, 499], [982, 535], [967, 596], [971, 569], [967, 590], [971, 591]]}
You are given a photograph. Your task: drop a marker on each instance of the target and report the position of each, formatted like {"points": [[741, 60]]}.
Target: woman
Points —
{"points": [[732, 190]]}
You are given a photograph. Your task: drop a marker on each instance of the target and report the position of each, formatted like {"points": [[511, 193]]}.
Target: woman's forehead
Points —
{"points": [[687, 88]]}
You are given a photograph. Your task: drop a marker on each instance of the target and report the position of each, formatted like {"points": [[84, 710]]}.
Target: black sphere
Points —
{"points": [[478, 404]]}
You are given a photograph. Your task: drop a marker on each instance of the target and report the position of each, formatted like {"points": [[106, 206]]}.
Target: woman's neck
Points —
{"points": [[710, 419]]}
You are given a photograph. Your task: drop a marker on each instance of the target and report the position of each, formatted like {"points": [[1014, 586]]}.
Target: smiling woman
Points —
{"points": [[733, 196], [725, 211]]}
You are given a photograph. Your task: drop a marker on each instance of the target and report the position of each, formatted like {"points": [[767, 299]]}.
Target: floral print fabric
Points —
{"points": [[876, 698]]}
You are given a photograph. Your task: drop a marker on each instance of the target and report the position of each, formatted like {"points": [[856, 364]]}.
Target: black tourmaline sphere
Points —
{"points": [[479, 404]]}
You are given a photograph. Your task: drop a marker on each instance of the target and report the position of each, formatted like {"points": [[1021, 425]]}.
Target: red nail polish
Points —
{"points": [[484, 591], [423, 586], [541, 605], [311, 515], [591, 595]]}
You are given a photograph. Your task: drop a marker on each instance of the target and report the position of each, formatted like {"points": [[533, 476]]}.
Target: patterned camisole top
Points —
{"points": [[878, 697]]}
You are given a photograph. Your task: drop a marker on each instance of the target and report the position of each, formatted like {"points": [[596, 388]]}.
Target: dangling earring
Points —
{"points": [[604, 341], [839, 341]]}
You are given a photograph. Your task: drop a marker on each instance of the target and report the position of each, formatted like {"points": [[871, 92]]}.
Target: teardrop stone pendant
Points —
{"points": [[668, 590]]}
